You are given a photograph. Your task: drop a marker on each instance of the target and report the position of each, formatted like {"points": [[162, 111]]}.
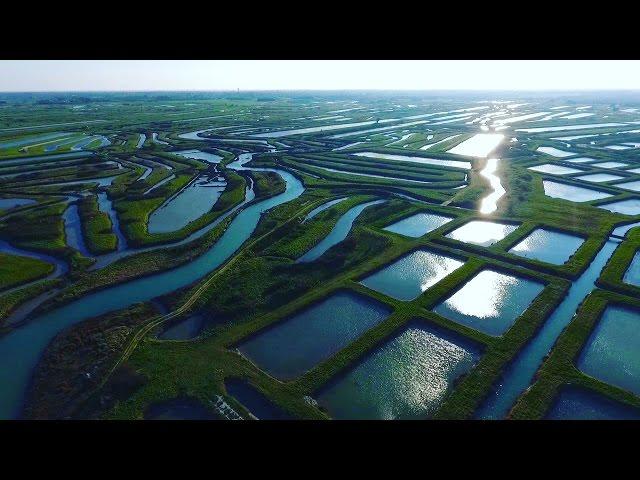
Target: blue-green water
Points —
{"points": [[339, 232], [302, 341], [253, 400], [633, 186], [106, 206], [519, 374], [73, 230], [575, 403], [632, 275], [548, 246], [612, 352], [490, 302], [21, 349], [408, 377], [411, 275], [418, 225]]}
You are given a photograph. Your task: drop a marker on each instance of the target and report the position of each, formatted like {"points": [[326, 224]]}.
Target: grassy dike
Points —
{"points": [[96, 227], [559, 368]]}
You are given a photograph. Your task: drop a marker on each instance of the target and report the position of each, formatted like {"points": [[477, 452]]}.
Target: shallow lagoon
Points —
{"points": [[626, 207], [632, 274], [309, 337], [418, 225], [199, 155], [599, 177], [184, 329], [482, 232], [190, 204], [406, 378], [490, 302], [411, 275], [612, 352], [548, 246], [555, 169], [572, 192], [575, 403]]}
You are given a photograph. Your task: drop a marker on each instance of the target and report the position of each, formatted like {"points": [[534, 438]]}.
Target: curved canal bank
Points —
{"points": [[21, 349]]}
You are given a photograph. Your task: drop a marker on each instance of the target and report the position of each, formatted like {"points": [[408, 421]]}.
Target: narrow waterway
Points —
{"points": [[518, 375], [21, 349]]}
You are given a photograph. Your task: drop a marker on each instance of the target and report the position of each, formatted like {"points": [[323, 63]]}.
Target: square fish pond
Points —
{"points": [[295, 345], [482, 232], [575, 403], [418, 225], [490, 302], [408, 377], [411, 275], [572, 193], [612, 352], [548, 246], [633, 186], [626, 207]]}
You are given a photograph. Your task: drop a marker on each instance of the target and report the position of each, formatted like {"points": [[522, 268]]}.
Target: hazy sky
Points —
{"points": [[78, 75]]}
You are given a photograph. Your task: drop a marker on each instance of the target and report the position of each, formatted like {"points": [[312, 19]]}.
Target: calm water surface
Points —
{"points": [[548, 246], [406, 378]]}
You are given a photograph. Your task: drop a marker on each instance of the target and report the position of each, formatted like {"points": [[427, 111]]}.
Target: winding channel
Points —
{"points": [[21, 349]]}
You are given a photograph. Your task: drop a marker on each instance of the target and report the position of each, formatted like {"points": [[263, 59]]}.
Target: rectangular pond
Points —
{"points": [[574, 403], [253, 400], [554, 152], [490, 302], [297, 344], [480, 145], [626, 207], [632, 275], [548, 246], [407, 378], [482, 232], [599, 177], [414, 159], [555, 169], [580, 160], [410, 276], [633, 186], [612, 352], [418, 225], [610, 165], [572, 193]]}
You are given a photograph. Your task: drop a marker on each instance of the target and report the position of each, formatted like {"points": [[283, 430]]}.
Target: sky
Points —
{"points": [[149, 75]]}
